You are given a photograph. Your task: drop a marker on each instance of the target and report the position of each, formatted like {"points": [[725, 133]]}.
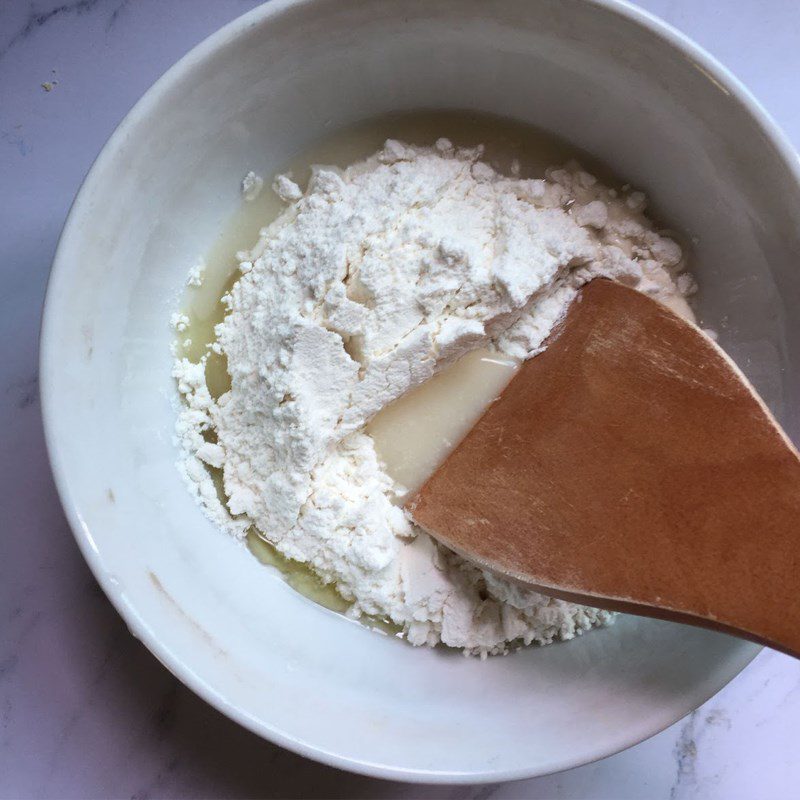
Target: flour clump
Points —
{"points": [[371, 281]]}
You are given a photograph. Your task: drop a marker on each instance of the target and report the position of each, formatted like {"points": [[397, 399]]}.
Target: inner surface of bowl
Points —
{"points": [[261, 91]]}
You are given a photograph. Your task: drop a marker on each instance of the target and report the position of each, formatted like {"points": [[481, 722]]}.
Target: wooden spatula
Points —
{"points": [[630, 466]]}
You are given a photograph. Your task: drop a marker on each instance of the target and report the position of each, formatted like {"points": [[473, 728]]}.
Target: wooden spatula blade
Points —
{"points": [[630, 466]]}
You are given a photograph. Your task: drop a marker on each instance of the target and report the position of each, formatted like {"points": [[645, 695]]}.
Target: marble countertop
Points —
{"points": [[85, 710]]}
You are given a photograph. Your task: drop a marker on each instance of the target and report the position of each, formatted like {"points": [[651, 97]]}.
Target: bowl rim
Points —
{"points": [[48, 364]]}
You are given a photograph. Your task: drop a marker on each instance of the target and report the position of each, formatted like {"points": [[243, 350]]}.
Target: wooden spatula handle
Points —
{"points": [[630, 466]]}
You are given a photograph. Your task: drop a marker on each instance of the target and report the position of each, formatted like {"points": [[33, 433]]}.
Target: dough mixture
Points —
{"points": [[372, 280]]}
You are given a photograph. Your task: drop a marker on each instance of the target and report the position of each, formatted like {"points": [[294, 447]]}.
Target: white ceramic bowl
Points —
{"points": [[605, 76]]}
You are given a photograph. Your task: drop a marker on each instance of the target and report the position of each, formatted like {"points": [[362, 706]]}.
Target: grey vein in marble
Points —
{"points": [[37, 19]]}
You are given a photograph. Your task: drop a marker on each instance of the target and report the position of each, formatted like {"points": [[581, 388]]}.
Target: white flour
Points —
{"points": [[371, 281]]}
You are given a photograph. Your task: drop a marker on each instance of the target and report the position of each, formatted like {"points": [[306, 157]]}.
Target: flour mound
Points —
{"points": [[371, 281]]}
